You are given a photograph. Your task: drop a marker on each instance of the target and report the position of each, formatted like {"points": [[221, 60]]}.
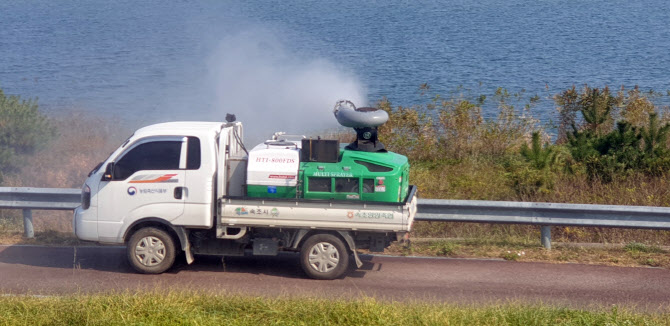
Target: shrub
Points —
{"points": [[444, 248], [596, 108], [606, 152], [23, 130], [536, 172], [636, 108], [526, 180], [540, 156], [568, 107], [635, 247], [625, 149], [461, 124], [455, 128], [409, 131]]}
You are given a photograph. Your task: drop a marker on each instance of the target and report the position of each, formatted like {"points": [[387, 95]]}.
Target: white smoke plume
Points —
{"points": [[270, 87]]}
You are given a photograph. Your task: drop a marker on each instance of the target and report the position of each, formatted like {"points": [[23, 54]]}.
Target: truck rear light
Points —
{"points": [[85, 197]]}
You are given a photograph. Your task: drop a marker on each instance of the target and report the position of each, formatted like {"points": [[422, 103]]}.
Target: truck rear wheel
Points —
{"points": [[151, 251], [324, 257]]}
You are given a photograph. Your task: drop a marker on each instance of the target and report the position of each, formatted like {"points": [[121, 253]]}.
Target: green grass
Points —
{"points": [[47, 238], [443, 248], [187, 308], [636, 247], [520, 249]]}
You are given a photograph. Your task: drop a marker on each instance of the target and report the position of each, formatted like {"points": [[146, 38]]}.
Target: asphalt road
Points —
{"points": [[62, 270]]}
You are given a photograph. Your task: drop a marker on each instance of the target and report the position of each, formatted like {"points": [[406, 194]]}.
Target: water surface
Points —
{"points": [[156, 60]]}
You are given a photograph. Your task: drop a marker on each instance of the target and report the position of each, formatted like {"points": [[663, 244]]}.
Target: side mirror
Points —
{"points": [[109, 172], [95, 169]]}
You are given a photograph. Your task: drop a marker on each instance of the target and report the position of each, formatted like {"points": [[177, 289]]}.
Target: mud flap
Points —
{"points": [[301, 234], [185, 244], [350, 241]]}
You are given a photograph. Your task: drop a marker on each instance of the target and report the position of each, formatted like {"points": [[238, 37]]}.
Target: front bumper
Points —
{"points": [[85, 224]]}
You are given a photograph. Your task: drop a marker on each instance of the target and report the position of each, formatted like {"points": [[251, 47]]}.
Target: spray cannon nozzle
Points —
{"points": [[230, 118], [348, 115], [365, 121]]}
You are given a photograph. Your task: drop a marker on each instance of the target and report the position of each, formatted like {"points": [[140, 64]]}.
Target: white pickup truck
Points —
{"points": [[183, 186]]}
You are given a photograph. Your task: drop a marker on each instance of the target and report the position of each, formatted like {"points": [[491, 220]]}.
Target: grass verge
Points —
{"points": [[631, 254], [206, 309], [47, 229], [47, 237]]}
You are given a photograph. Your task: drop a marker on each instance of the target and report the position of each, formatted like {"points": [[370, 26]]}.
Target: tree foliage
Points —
{"points": [[23, 130], [596, 108], [540, 156], [606, 152]]}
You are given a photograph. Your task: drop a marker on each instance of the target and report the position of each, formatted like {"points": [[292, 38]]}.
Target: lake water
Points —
{"points": [[285, 62]]}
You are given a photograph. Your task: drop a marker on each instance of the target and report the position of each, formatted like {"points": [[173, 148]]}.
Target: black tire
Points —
{"points": [[324, 257], [151, 251]]}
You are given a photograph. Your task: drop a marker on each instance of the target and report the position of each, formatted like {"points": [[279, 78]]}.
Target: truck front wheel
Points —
{"points": [[151, 250], [324, 257]]}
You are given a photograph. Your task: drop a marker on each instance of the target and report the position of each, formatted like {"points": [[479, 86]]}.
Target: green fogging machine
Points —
{"points": [[290, 166]]}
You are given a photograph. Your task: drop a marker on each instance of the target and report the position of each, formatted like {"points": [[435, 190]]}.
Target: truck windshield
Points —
{"points": [[125, 142]]}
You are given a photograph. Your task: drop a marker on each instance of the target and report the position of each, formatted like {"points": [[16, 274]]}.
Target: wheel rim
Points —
{"points": [[324, 257], [150, 251]]}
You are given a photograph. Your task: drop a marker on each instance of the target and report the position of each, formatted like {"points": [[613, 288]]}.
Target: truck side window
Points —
{"points": [[193, 155], [319, 184], [159, 155], [346, 185]]}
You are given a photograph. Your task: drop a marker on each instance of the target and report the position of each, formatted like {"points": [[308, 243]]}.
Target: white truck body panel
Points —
{"points": [[311, 214]]}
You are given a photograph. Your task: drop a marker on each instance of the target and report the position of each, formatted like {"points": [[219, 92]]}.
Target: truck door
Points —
{"points": [[199, 184], [147, 181]]}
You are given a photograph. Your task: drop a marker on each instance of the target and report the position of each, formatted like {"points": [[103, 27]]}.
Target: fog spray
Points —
{"points": [[270, 87]]}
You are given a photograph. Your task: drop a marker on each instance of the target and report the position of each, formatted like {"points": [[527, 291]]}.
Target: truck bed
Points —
{"points": [[318, 214]]}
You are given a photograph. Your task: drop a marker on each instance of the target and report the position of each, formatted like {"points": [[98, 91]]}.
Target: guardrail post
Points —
{"points": [[546, 236], [28, 230]]}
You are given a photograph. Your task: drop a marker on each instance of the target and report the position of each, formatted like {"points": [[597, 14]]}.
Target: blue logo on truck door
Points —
{"points": [[272, 189], [132, 191]]}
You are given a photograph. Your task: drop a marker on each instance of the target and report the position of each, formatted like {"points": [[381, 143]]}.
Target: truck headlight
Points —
{"points": [[85, 197]]}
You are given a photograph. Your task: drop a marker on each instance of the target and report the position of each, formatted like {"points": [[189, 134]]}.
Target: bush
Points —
{"points": [[410, 131], [23, 130], [444, 248], [605, 150], [456, 129], [636, 247], [527, 180]]}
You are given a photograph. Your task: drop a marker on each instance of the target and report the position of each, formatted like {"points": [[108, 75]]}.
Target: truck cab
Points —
{"points": [[166, 171]]}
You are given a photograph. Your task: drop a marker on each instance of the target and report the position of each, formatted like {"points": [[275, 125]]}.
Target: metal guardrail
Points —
{"points": [[434, 210], [28, 199], [543, 214], [40, 198]]}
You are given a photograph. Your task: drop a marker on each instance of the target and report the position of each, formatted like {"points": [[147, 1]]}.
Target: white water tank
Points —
{"points": [[274, 163]]}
